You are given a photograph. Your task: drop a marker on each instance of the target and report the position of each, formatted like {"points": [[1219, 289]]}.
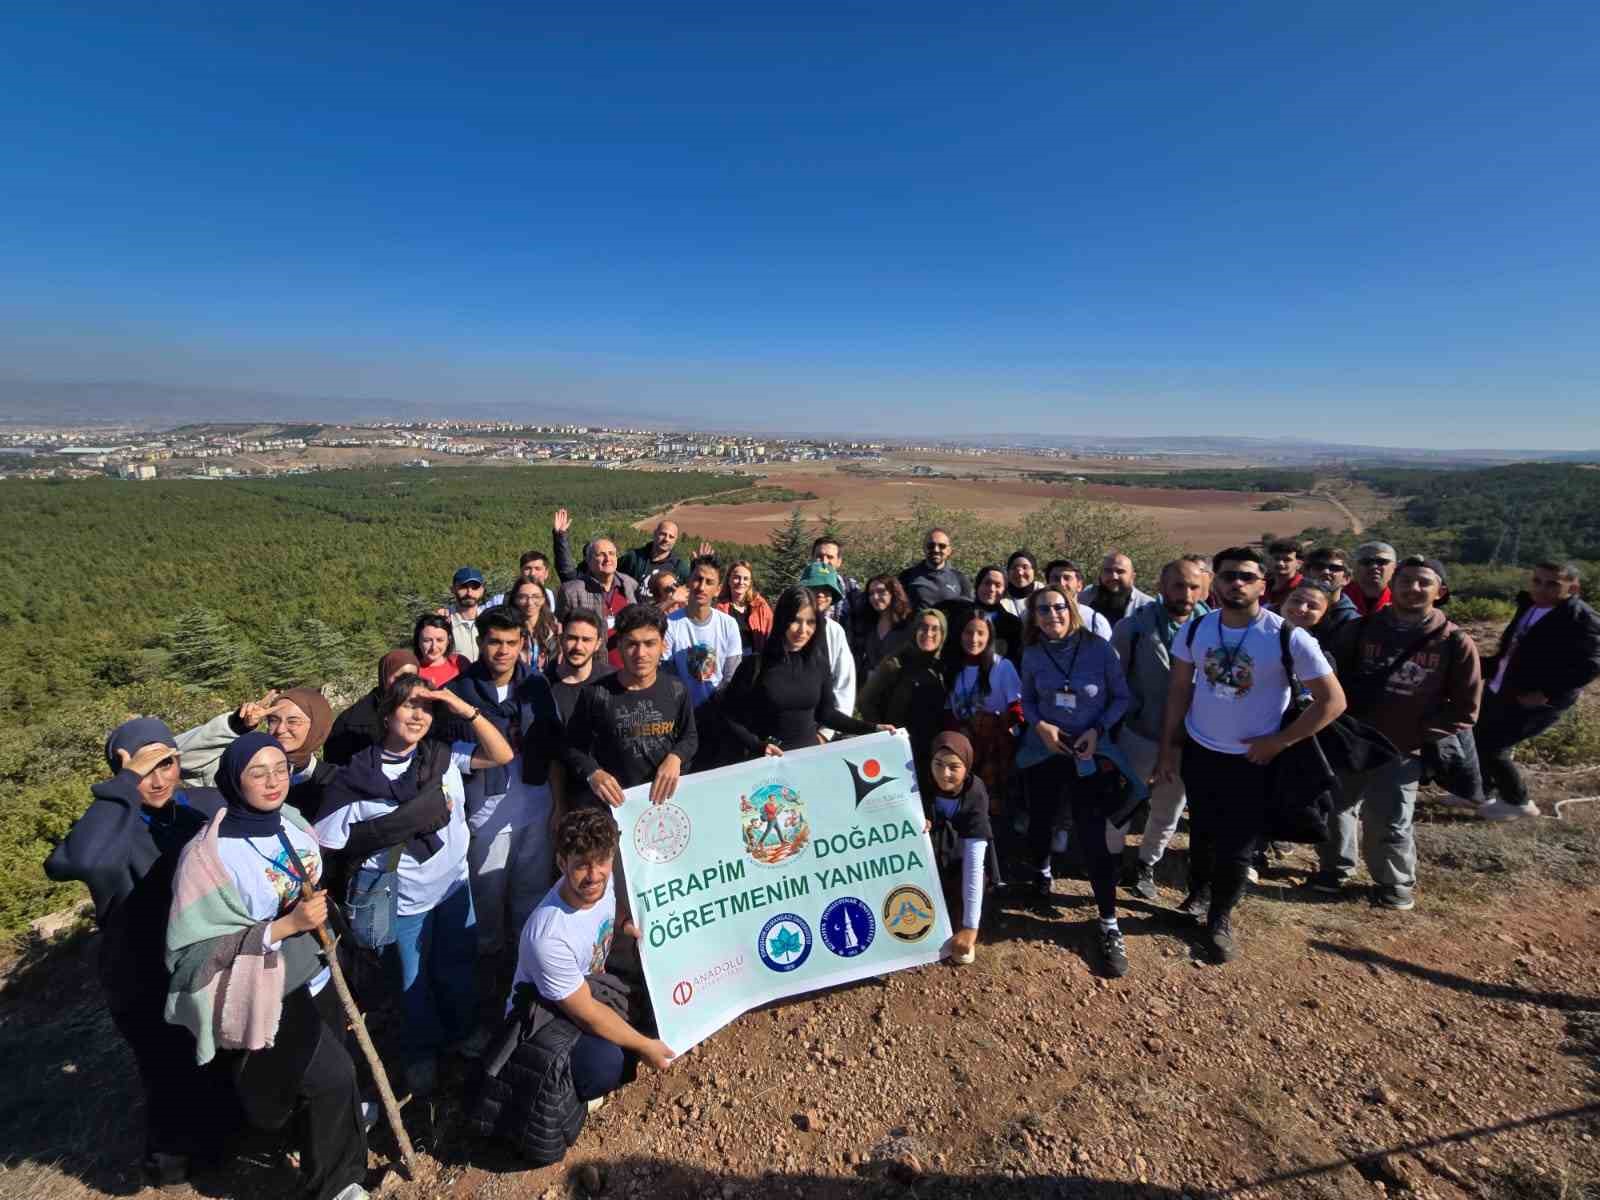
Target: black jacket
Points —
{"points": [[527, 718], [128, 865], [526, 1096], [1559, 656]]}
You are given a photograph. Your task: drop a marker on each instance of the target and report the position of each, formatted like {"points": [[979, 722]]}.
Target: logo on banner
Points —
{"points": [[785, 942], [661, 833], [773, 819], [682, 992], [908, 913], [868, 776], [848, 927]]}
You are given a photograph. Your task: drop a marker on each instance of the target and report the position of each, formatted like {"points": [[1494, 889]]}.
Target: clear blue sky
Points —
{"points": [[1359, 221]]}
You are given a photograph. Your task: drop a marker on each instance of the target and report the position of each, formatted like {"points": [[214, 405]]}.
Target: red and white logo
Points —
{"points": [[683, 993]]}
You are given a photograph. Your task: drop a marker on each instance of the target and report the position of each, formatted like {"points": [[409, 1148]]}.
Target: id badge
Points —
{"points": [[611, 621], [1065, 699]]}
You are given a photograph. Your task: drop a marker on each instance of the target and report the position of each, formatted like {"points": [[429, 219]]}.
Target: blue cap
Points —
{"points": [[467, 575]]}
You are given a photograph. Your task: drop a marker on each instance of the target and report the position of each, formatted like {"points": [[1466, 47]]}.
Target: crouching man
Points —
{"points": [[565, 1011]]}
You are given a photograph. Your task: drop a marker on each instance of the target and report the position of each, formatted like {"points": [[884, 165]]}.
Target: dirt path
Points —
{"points": [[1461, 1038], [1356, 527]]}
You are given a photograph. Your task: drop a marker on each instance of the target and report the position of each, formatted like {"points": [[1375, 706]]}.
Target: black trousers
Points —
{"points": [[1502, 723], [189, 1110], [1227, 796], [307, 1075], [1049, 785]]}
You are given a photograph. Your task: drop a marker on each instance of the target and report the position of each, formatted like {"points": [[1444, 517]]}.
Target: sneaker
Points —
{"points": [[472, 1046], [166, 1170], [370, 1112], [422, 1077], [1144, 882], [596, 1104], [1220, 940], [1499, 810], [1251, 875], [1451, 800], [1330, 883], [1398, 898], [1113, 953], [354, 1192], [1058, 842], [1196, 904]]}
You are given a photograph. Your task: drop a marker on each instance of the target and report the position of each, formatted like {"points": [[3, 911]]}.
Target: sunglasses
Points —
{"points": [[1050, 608], [1373, 562], [1239, 576], [938, 545]]}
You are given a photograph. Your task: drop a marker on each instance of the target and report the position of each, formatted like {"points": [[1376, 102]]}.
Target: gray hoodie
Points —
{"points": [[1147, 659]]}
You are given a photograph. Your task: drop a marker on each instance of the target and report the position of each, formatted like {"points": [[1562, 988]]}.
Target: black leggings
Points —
{"points": [[188, 1109], [1047, 785]]}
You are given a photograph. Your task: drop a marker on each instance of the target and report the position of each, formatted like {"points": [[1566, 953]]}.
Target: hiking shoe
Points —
{"points": [[370, 1112], [1499, 810], [1451, 800], [1144, 882], [1220, 940], [1396, 897], [1113, 953], [1330, 883], [166, 1170], [1196, 904], [1251, 875]]}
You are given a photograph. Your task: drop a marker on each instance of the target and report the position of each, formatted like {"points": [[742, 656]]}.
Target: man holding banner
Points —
{"points": [[777, 877]]}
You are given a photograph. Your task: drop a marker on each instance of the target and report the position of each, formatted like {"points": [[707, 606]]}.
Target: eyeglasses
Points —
{"points": [[1332, 568], [287, 722], [1239, 576], [1373, 562], [1049, 608], [267, 774]]}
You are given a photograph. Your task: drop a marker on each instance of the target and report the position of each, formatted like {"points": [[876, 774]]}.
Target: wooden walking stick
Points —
{"points": [[391, 1107]]}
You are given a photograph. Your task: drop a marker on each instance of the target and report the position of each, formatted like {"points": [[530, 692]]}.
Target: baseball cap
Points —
{"points": [[467, 575], [821, 575], [1431, 564], [1375, 550]]}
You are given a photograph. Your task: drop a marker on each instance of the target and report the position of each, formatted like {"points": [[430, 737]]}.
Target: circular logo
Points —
{"points": [[682, 993], [907, 913], [661, 833], [785, 942], [871, 769], [847, 927]]}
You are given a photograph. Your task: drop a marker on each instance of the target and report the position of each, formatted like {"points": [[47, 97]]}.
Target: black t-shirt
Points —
{"points": [[567, 693], [746, 638], [628, 733]]}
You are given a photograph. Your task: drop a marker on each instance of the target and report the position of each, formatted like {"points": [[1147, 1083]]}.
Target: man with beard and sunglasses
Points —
{"points": [[1224, 717], [933, 581], [1369, 591]]}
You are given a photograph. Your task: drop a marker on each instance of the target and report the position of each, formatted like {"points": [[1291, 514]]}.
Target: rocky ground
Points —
{"points": [[1449, 1052]]}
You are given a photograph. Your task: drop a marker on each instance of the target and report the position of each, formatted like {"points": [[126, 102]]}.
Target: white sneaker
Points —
{"points": [[1058, 842], [1499, 810], [597, 1104], [1252, 875], [354, 1192]]}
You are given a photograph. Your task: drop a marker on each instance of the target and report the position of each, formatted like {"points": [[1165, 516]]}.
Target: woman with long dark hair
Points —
{"points": [[908, 690], [431, 640], [882, 623], [985, 701], [989, 598], [780, 697], [541, 634]]}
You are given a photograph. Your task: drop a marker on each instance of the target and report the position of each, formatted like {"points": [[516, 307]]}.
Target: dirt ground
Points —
{"points": [[1449, 1052], [1207, 519]]}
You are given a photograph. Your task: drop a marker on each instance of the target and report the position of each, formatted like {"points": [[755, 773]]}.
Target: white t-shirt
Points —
{"points": [[1096, 623], [1240, 690], [1529, 619], [561, 946], [706, 656], [422, 884], [267, 881], [1005, 689]]}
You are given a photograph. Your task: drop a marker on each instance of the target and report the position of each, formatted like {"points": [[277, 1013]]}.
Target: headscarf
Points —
{"points": [[135, 734], [389, 666], [316, 709], [956, 743], [242, 820]]}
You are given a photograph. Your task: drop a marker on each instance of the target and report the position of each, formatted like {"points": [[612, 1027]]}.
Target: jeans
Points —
{"points": [[1227, 812], [1049, 783], [1503, 723], [1380, 803], [511, 868], [1166, 799], [597, 1066], [434, 961]]}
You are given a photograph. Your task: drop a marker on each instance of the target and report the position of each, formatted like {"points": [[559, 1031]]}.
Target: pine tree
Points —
{"points": [[203, 649], [788, 553], [832, 527], [287, 658], [326, 647]]}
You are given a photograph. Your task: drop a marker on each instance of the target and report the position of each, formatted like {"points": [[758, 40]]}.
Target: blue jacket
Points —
{"points": [[1099, 687]]}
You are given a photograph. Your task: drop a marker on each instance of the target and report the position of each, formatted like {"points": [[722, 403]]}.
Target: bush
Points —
{"points": [[1573, 741], [1480, 608]]}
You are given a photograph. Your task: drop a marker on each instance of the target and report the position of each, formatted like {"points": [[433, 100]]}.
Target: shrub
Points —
{"points": [[1480, 608], [1573, 741]]}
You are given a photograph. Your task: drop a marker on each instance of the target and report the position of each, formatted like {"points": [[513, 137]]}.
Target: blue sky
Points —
{"points": [[1363, 222]]}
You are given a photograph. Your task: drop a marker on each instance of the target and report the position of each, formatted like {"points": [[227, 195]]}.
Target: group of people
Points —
{"points": [[458, 813]]}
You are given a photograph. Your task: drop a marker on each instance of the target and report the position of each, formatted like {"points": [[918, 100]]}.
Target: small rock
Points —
{"points": [[588, 1177], [808, 1121]]}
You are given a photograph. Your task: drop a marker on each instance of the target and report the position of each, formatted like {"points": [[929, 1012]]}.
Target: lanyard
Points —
{"points": [[1229, 656], [1077, 645]]}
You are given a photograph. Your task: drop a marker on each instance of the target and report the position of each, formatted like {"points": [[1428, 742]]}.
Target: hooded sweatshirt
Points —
{"points": [[1435, 688]]}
